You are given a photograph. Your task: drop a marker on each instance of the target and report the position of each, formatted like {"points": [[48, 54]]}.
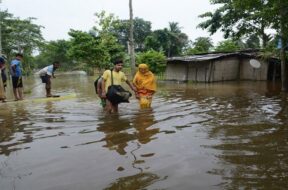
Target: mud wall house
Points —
{"points": [[219, 67]]}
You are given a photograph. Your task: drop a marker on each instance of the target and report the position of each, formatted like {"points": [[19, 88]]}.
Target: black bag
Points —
{"points": [[117, 94]]}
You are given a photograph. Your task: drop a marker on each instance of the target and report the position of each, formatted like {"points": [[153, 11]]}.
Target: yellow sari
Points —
{"points": [[145, 83]]}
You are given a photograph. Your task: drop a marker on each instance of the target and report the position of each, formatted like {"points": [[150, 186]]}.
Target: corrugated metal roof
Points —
{"points": [[204, 57]]}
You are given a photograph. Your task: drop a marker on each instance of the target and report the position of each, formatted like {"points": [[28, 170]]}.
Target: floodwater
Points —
{"points": [[231, 135]]}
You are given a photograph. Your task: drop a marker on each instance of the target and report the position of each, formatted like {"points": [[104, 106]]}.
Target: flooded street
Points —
{"points": [[230, 135]]}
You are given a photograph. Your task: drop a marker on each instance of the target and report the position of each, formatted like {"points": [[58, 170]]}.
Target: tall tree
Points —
{"points": [[280, 23], [200, 45], [227, 46], [237, 19], [55, 51], [104, 30], [176, 39], [19, 35], [142, 29], [131, 39], [170, 40]]}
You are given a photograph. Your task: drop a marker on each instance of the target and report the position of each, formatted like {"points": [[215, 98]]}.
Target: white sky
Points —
{"points": [[59, 16]]}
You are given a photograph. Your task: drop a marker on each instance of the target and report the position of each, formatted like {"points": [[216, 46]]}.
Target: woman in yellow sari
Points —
{"points": [[145, 83]]}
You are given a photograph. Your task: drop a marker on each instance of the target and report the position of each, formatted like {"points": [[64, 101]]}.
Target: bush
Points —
{"points": [[155, 60]]}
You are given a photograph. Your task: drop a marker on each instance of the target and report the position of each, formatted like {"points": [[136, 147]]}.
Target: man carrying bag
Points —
{"points": [[112, 89]]}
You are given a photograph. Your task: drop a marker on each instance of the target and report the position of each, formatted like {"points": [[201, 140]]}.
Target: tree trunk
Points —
{"points": [[282, 51], [0, 31], [131, 40], [283, 70]]}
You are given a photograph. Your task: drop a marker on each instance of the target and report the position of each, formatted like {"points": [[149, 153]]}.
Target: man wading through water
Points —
{"points": [[118, 78]]}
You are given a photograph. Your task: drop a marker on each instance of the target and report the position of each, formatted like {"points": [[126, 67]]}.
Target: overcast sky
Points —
{"points": [[59, 16]]}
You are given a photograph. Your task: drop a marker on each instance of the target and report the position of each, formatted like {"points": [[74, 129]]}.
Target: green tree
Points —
{"points": [[253, 42], [142, 29], [155, 60], [177, 40], [99, 47], [157, 40], [200, 45], [20, 36], [104, 31], [227, 46], [169, 40], [52, 51], [237, 19], [87, 49]]}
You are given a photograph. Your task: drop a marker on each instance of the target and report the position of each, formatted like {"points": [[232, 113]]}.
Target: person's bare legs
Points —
{"points": [[114, 108], [48, 92], [20, 93], [48, 88], [110, 108], [15, 92]]}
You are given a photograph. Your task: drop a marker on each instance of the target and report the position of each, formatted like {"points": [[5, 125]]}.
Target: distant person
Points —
{"points": [[145, 83], [118, 78], [3, 79], [16, 73], [46, 74]]}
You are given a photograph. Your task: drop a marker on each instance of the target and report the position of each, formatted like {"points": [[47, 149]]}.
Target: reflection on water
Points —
{"points": [[196, 136], [138, 181]]}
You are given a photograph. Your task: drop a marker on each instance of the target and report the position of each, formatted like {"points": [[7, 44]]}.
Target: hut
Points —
{"points": [[214, 67]]}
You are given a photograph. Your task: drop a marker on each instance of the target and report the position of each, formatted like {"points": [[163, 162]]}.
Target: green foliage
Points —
{"points": [[169, 40], [238, 18], [104, 30], [157, 41], [227, 46], [142, 29], [200, 45], [253, 42], [85, 48], [55, 51], [20, 36], [155, 60]]}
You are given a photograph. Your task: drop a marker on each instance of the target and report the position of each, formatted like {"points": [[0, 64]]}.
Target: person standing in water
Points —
{"points": [[16, 73], [118, 78], [46, 74], [145, 83]]}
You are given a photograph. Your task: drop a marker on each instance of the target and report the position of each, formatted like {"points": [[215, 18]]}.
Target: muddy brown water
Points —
{"points": [[231, 135]]}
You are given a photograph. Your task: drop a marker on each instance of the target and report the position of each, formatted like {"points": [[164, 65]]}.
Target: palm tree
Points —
{"points": [[176, 39]]}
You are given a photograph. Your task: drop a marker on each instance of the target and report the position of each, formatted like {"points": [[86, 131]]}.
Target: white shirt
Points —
{"points": [[46, 70]]}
